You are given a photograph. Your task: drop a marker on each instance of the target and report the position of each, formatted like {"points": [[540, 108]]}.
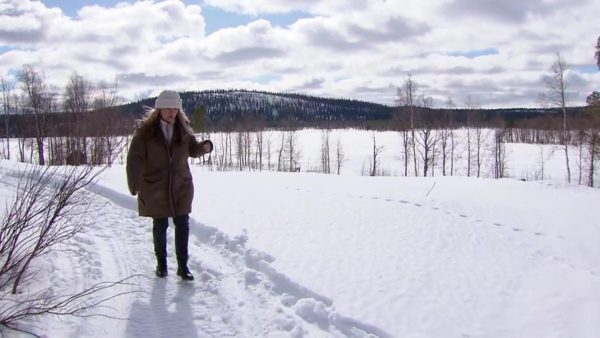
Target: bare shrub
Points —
{"points": [[47, 210]]}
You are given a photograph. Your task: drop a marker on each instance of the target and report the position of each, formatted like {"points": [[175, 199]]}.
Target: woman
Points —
{"points": [[159, 174]]}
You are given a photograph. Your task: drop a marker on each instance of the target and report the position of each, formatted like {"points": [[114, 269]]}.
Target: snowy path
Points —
{"points": [[237, 292]]}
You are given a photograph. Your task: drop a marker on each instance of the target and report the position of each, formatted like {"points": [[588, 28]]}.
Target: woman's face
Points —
{"points": [[169, 114]]}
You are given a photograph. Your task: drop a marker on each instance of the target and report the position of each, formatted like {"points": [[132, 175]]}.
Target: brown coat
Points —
{"points": [[158, 173]]}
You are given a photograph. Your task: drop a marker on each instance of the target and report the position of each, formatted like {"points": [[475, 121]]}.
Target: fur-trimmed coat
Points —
{"points": [[159, 174]]}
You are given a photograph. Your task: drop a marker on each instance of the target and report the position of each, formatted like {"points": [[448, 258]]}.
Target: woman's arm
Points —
{"points": [[136, 160], [198, 149]]}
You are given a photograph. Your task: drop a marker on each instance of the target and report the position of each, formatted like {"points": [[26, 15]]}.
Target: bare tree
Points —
{"points": [[325, 157], [447, 138], [556, 96], [78, 101], [229, 140], [480, 137], [20, 131], [541, 163], [426, 135], [240, 150], [339, 155], [375, 161], [292, 152], [470, 107], [7, 88], [499, 150], [593, 146], [106, 140], [38, 101], [406, 149], [259, 149], [280, 153], [269, 151], [407, 97], [247, 149], [223, 157], [401, 121]]}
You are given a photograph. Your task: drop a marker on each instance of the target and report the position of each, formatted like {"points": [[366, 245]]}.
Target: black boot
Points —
{"points": [[161, 269], [159, 234], [183, 271], [182, 231]]}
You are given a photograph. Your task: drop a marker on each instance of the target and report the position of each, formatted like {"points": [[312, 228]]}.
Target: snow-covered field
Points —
{"points": [[313, 255], [522, 161]]}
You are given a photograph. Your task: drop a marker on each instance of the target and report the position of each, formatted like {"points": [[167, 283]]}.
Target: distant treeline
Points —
{"points": [[240, 109], [223, 110], [109, 121]]}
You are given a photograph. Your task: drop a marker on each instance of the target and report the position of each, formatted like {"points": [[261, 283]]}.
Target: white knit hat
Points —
{"points": [[168, 99]]}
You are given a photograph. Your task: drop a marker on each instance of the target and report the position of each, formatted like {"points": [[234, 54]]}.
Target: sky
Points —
{"points": [[489, 53]]}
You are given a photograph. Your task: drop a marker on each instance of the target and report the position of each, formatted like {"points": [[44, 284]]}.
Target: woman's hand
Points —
{"points": [[207, 146]]}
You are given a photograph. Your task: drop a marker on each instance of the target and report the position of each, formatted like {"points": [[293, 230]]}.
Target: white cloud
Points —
{"points": [[101, 42], [354, 49]]}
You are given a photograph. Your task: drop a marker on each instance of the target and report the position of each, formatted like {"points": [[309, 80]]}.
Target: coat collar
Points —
{"points": [[150, 128]]}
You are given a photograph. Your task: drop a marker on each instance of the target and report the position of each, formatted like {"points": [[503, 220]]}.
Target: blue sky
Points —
{"points": [[217, 18], [474, 53], [70, 7], [494, 53]]}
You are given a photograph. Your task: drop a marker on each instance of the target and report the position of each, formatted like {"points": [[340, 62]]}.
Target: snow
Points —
{"points": [[313, 255]]}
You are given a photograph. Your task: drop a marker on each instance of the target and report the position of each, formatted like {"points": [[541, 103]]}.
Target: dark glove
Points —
{"points": [[207, 146]]}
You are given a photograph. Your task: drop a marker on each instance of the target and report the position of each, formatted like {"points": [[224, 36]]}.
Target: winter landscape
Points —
{"points": [[410, 169], [315, 255]]}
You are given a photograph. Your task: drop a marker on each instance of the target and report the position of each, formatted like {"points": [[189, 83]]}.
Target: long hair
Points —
{"points": [[152, 115]]}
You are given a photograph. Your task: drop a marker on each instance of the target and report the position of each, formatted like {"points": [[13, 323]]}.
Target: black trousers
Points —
{"points": [[182, 231]]}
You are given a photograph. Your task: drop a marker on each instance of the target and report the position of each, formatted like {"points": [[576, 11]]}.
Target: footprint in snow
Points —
{"points": [[418, 205]]}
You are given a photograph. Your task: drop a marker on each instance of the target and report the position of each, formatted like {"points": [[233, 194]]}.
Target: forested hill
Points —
{"points": [[222, 109], [235, 105], [244, 110]]}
